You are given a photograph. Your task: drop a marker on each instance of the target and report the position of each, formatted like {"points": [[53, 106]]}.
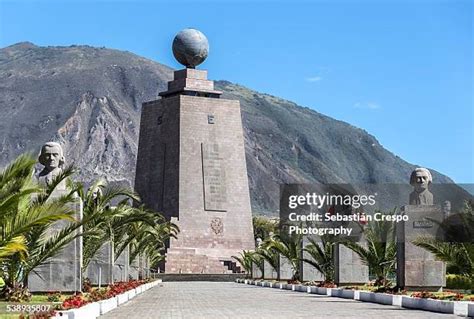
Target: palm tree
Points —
{"points": [[379, 251], [271, 256], [290, 247], [27, 211], [147, 235], [245, 260], [101, 216], [143, 231], [322, 256]]}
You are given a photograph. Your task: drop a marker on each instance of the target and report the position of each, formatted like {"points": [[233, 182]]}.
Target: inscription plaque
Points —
{"points": [[422, 224], [213, 170]]}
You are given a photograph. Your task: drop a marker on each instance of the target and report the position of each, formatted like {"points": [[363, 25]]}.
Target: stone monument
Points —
{"points": [[416, 267], [191, 166], [63, 271]]}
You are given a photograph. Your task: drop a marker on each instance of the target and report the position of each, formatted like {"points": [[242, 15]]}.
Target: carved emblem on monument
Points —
{"points": [[217, 225]]}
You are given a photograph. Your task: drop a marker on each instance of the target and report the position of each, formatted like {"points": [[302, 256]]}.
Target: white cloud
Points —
{"points": [[367, 105], [314, 79]]}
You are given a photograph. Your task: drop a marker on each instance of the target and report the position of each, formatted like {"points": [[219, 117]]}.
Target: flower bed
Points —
{"points": [[444, 302], [97, 294], [100, 301]]}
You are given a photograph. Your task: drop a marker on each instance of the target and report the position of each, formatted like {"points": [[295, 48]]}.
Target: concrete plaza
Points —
{"points": [[231, 300]]}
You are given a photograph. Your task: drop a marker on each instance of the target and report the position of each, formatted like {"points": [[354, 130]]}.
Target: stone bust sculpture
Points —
{"points": [[420, 179], [52, 158]]}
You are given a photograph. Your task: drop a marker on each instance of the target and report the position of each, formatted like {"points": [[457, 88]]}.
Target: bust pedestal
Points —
{"points": [[416, 267], [63, 271]]}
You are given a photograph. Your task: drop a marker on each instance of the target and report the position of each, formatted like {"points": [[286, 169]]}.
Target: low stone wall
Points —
{"points": [[96, 309], [199, 277], [460, 308]]}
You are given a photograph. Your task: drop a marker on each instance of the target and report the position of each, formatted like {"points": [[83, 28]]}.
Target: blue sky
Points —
{"points": [[402, 70]]}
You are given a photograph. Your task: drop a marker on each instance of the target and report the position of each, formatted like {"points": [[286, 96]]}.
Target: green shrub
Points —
{"points": [[459, 282]]}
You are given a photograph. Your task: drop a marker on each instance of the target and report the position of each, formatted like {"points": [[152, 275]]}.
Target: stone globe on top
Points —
{"points": [[190, 47]]}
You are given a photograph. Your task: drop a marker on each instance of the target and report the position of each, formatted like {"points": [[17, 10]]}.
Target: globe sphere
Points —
{"points": [[190, 47]]}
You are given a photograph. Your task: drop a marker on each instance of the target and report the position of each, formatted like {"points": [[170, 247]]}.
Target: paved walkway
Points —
{"points": [[231, 300]]}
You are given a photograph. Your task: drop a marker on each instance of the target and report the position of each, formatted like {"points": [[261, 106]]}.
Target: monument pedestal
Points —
{"points": [[101, 270], [416, 267], [121, 267], [310, 273], [63, 271], [133, 269], [268, 271], [349, 268], [191, 167]]}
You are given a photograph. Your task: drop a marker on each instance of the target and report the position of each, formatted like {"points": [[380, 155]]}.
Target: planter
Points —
{"points": [[464, 308], [347, 294], [380, 298], [409, 302], [428, 304], [122, 298], [329, 291], [107, 305], [131, 294], [322, 291], [301, 288], [384, 299], [461, 308], [95, 309], [91, 310], [357, 295], [334, 292], [438, 305], [397, 300], [367, 296], [313, 290]]}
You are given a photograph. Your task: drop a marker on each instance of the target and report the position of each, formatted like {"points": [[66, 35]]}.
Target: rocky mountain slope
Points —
{"points": [[90, 98]]}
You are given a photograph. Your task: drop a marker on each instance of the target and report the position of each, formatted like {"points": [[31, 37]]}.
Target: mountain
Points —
{"points": [[89, 99]]}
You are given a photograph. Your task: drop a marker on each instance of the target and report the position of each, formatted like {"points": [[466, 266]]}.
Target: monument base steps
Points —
{"points": [[186, 261]]}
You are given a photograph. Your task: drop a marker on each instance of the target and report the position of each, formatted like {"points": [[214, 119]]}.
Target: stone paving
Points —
{"points": [[231, 300]]}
